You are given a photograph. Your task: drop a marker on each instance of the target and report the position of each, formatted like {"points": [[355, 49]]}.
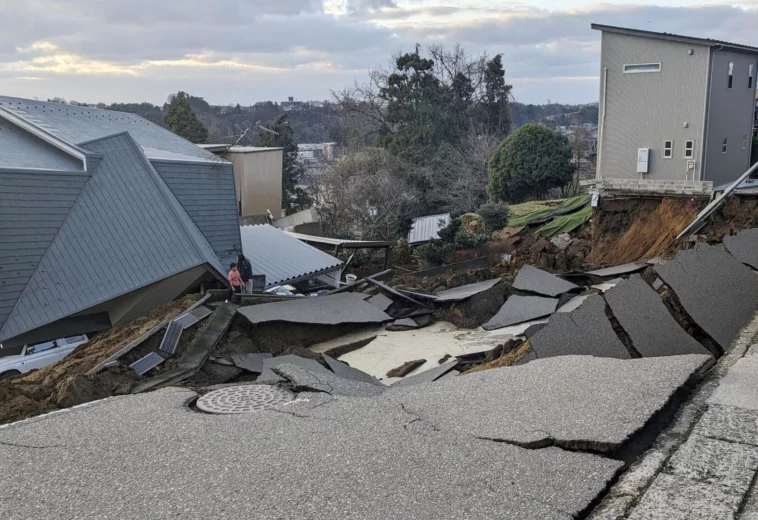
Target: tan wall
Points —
{"points": [[258, 179]]}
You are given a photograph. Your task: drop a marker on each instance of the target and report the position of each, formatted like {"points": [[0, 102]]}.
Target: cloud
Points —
{"points": [[244, 51]]}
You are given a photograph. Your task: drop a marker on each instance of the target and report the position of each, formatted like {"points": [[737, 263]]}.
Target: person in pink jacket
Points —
{"points": [[235, 279]]}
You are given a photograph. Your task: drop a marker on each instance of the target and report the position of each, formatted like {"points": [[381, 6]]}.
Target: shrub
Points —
{"points": [[494, 215]]}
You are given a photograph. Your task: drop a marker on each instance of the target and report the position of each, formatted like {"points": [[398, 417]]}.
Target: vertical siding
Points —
{"points": [[32, 208], [730, 115], [644, 109], [121, 234], [261, 183], [207, 194]]}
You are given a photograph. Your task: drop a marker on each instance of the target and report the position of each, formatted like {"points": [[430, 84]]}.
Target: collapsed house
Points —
{"points": [[103, 217]]}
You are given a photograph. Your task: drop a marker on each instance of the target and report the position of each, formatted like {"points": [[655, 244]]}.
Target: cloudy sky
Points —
{"points": [[243, 51]]}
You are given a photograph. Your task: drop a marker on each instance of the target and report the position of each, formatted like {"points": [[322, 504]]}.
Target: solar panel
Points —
{"points": [[190, 318], [147, 363], [171, 338]]}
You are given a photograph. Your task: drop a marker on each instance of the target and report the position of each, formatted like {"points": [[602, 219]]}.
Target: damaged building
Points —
{"points": [[103, 216]]}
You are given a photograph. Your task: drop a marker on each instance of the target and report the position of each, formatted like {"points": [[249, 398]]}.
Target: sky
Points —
{"points": [[243, 51]]}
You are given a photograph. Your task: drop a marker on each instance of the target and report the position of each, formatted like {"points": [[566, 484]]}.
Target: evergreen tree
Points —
{"points": [[294, 198], [182, 121]]}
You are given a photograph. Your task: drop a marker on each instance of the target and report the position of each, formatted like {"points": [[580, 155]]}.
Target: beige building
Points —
{"points": [[257, 176], [674, 108]]}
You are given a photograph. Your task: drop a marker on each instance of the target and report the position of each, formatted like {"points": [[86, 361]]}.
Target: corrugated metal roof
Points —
{"points": [[124, 231], [350, 244], [76, 124], [281, 257], [427, 228]]}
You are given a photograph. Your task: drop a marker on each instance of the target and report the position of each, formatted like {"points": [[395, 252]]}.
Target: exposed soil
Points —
{"points": [[627, 230], [406, 368], [736, 214], [65, 384], [506, 360]]}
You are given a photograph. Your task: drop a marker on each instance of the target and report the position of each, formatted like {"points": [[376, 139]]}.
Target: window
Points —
{"points": [[731, 73], [642, 67], [41, 347], [689, 149], [724, 145], [744, 141], [668, 149], [750, 76]]}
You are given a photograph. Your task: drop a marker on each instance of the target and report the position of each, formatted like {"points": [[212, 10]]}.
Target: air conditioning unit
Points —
{"points": [[643, 159]]}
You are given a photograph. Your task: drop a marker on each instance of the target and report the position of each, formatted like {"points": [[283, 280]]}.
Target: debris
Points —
{"points": [[380, 301], [717, 291], [535, 280], [617, 270], [425, 229], [345, 371], [250, 362], [518, 309], [572, 402], [147, 363], [546, 214], [466, 291], [406, 368], [309, 364], [426, 376], [561, 241], [189, 318], [171, 338], [320, 310], [303, 379], [512, 358], [402, 325], [349, 342], [744, 246], [466, 265], [584, 331], [644, 317]]}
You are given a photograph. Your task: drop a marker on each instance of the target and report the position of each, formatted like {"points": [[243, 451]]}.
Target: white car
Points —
{"points": [[39, 355]]}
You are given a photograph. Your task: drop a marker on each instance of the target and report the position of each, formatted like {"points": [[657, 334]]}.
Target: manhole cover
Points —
{"points": [[243, 399]]}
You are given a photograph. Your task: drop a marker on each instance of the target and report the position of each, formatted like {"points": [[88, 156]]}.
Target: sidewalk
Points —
{"points": [[705, 466]]}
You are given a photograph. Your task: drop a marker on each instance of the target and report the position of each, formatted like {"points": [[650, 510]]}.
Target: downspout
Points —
{"points": [[602, 124]]}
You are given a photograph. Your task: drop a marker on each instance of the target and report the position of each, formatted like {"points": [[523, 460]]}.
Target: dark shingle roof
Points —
{"points": [[123, 231]]}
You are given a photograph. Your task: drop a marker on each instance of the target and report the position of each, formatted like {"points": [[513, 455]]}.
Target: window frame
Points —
{"points": [[725, 145], [744, 141], [669, 149], [691, 149], [750, 73], [730, 72], [627, 69]]}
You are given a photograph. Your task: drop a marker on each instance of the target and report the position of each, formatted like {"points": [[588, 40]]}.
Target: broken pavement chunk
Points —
{"points": [[427, 376], [304, 379], [535, 280], [250, 362], [401, 325], [575, 402], [584, 331], [643, 315], [380, 301], [617, 270], [718, 292], [332, 309], [518, 309], [744, 246], [406, 368], [464, 292], [345, 371]]}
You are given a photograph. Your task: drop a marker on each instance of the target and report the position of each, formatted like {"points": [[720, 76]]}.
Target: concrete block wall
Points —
{"points": [[655, 187]]}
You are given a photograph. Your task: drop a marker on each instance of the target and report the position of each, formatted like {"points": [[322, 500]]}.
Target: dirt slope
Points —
{"points": [[65, 384]]}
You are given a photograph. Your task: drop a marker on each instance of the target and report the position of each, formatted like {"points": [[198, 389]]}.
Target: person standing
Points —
{"points": [[235, 279], [246, 273]]}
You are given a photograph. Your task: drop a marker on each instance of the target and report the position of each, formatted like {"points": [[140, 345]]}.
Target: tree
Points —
{"points": [[182, 121], [294, 198], [496, 97], [529, 162]]}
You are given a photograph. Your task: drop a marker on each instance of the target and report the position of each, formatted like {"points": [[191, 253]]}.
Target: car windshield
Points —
{"points": [[41, 347]]}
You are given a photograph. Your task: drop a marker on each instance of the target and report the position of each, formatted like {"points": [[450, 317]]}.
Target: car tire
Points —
{"points": [[9, 374]]}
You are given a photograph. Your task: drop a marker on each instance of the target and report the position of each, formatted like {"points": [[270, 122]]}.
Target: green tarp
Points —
{"points": [[566, 223], [543, 215]]}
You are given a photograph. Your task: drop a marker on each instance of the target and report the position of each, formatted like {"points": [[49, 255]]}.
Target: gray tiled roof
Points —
{"points": [[125, 230], [32, 208], [281, 257], [76, 124], [206, 192], [20, 149]]}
